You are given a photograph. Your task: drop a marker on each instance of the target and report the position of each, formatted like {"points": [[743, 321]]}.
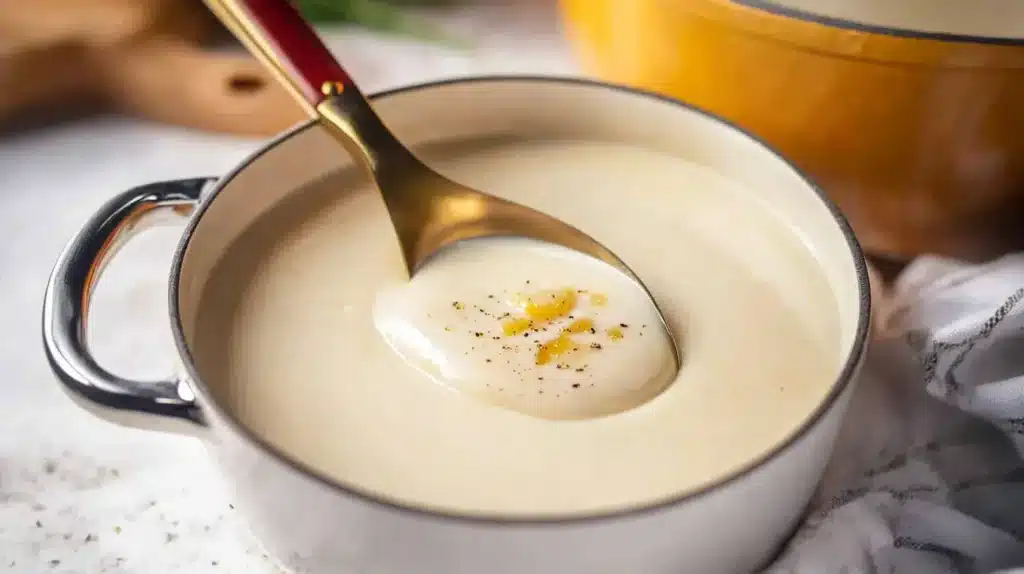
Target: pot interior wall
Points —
{"points": [[524, 108], [992, 19]]}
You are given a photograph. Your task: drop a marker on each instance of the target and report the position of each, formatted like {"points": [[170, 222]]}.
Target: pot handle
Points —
{"points": [[165, 404]]}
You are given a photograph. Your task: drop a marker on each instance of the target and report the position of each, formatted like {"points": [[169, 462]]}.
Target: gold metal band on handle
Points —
{"points": [[332, 88]]}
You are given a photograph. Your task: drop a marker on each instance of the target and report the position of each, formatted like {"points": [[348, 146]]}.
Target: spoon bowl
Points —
{"points": [[428, 211]]}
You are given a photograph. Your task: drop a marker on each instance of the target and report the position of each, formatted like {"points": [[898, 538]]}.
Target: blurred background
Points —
{"points": [[170, 61], [907, 113]]}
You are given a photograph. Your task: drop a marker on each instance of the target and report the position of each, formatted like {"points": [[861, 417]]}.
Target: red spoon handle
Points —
{"points": [[293, 46]]}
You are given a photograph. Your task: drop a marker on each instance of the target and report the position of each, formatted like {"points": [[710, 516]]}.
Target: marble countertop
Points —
{"points": [[81, 496]]}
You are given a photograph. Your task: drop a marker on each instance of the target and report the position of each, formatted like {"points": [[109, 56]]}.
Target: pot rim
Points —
{"points": [[841, 383], [897, 32]]}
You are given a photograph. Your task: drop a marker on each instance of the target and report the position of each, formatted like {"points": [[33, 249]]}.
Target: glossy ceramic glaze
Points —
{"points": [[318, 526], [910, 120]]}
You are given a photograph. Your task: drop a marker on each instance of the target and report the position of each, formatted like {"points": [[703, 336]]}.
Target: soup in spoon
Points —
{"points": [[532, 327]]}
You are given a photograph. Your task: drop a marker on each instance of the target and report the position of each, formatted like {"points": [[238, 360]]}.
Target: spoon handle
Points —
{"points": [[275, 32]]}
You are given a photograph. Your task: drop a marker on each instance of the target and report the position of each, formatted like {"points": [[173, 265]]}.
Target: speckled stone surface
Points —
{"points": [[81, 496]]}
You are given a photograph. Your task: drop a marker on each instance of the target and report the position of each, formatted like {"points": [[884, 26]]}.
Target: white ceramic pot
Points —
{"points": [[314, 524]]}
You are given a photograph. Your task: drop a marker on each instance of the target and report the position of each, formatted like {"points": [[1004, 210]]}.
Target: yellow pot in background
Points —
{"points": [[909, 113]]}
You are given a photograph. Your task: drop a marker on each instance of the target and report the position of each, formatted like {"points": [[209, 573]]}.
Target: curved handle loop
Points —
{"points": [[161, 404]]}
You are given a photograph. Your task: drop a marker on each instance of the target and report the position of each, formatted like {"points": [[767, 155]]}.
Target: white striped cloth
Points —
{"points": [[928, 475]]}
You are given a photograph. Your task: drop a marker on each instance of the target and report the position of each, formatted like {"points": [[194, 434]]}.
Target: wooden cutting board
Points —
{"points": [[148, 58]]}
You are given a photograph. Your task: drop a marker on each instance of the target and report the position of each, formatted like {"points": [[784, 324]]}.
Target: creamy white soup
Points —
{"points": [[515, 378]]}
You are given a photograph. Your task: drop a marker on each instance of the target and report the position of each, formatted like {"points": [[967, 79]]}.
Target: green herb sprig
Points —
{"points": [[381, 15]]}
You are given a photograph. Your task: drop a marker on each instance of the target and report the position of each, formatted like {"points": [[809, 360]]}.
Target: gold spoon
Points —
{"points": [[428, 210]]}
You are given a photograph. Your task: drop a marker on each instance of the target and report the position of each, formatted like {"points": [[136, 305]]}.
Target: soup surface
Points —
{"points": [[311, 336]]}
